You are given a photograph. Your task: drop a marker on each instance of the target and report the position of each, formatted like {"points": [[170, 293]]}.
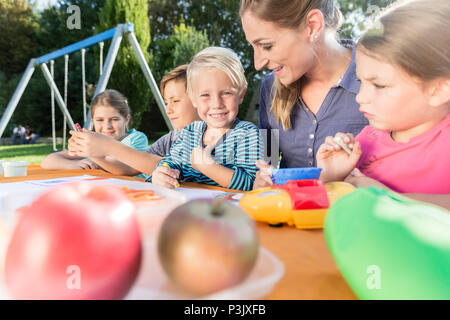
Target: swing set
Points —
{"points": [[116, 35]]}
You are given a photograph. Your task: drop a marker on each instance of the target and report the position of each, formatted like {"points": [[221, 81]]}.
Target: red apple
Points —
{"points": [[76, 241], [207, 245]]}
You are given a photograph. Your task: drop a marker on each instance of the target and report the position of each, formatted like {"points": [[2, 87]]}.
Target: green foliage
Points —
{"points": [[17, 42], [127, 76], [219, 19], [356, 13], [188, 42], [51, 33], [178, 48]]}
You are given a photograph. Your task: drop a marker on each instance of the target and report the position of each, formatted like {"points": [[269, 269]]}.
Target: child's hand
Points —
{"points": [[335, 162], [166, 177], [358, 179], [84, 164], [89, 144], [201, 157], [263, 178]]}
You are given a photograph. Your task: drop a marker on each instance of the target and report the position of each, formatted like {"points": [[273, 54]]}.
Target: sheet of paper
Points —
{"points": [[192, 194], [16, 194], [57, 181]]}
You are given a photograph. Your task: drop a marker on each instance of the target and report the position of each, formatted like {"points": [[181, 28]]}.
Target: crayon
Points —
{"points": [[166, 165], [78, 127]]}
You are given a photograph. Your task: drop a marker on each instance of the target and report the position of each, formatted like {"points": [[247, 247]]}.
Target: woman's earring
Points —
{"points": [[315, 37]]}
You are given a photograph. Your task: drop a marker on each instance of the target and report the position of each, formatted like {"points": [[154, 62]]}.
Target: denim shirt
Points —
{"points": [[339, 112]]}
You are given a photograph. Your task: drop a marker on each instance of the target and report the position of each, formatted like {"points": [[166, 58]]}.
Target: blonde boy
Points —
{"points": [[221, 150]]}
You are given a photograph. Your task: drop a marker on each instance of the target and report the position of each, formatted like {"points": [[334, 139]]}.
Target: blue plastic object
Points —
{"points": [[281, 176]]}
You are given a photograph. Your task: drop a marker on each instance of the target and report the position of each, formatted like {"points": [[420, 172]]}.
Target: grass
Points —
{"points": [[33, 153]]}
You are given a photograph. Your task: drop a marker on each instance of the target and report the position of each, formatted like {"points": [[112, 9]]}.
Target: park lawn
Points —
{"points": [[33, 153]]}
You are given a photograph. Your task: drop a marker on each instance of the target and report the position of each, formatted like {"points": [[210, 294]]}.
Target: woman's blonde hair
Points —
{"points": [[414, 35], [223, 59], [290, 14], [111, 98]]}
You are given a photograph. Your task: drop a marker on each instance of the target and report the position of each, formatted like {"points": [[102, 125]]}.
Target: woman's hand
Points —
{"points": [[263, 175], [358, 179], [335, 162], [201, 157], [166, 177], [89, 144]]}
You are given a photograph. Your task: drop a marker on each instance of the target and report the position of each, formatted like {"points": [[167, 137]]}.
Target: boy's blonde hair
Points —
{"points": [[414, 35], [290, 14], [176, 74], [223, 59]]}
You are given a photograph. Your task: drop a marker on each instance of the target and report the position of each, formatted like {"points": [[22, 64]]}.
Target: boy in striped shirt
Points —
{"points": [[221, 150]]}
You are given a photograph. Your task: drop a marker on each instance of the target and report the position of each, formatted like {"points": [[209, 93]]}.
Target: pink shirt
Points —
{"points": [[422, 165]]}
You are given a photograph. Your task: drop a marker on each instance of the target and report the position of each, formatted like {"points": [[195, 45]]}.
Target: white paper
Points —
{"points": [[57, 181], [192, 194]]}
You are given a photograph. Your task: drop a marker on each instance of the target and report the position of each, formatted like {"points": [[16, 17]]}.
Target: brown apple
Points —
{"points": [[207, 245]]}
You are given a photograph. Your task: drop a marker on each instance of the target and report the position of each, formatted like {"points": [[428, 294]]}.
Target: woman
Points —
{"points": [[310, 93]]}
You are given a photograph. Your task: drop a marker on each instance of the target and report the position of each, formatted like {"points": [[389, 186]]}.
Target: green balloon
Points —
{"points": [[388, 246]]}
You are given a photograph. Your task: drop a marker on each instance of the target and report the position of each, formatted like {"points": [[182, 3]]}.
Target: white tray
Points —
{"points": [[153, 284]]}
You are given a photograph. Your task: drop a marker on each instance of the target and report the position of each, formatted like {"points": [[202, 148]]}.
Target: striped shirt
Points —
{"points": [[238, 150]]}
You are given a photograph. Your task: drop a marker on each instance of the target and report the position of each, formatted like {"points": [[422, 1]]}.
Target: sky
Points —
{"points": [[42, 4]]}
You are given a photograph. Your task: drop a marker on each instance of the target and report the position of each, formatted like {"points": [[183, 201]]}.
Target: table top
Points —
{"points": [[310, 271]]}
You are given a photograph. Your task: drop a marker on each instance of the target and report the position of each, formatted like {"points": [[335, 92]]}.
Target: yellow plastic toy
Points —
{"points": [[299, 203]]}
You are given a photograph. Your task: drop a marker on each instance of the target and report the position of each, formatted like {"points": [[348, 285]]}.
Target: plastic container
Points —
{"points": [[15, 168], [302, 203], [281, 176]]}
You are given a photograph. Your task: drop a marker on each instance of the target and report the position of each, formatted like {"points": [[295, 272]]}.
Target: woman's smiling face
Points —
{"points": [[287, 52]]}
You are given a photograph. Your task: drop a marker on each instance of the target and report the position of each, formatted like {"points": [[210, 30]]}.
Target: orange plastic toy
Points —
{"points": [[299, 203]]}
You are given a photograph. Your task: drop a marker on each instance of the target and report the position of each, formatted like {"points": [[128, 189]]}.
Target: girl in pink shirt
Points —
{"points": [[403, 64]]}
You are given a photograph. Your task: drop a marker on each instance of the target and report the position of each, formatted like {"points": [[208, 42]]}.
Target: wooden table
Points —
{"points": [[310, 271]]}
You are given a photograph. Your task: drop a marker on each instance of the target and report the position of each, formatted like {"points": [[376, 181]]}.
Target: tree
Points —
{"points": [[51, 33], [219, 19], [178, 48], [127, 76], [170, 51], [17, 28], [188, 42], [356, 13]]}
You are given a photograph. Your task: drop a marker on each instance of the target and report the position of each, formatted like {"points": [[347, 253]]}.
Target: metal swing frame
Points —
{"points": [[116, 34]]}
